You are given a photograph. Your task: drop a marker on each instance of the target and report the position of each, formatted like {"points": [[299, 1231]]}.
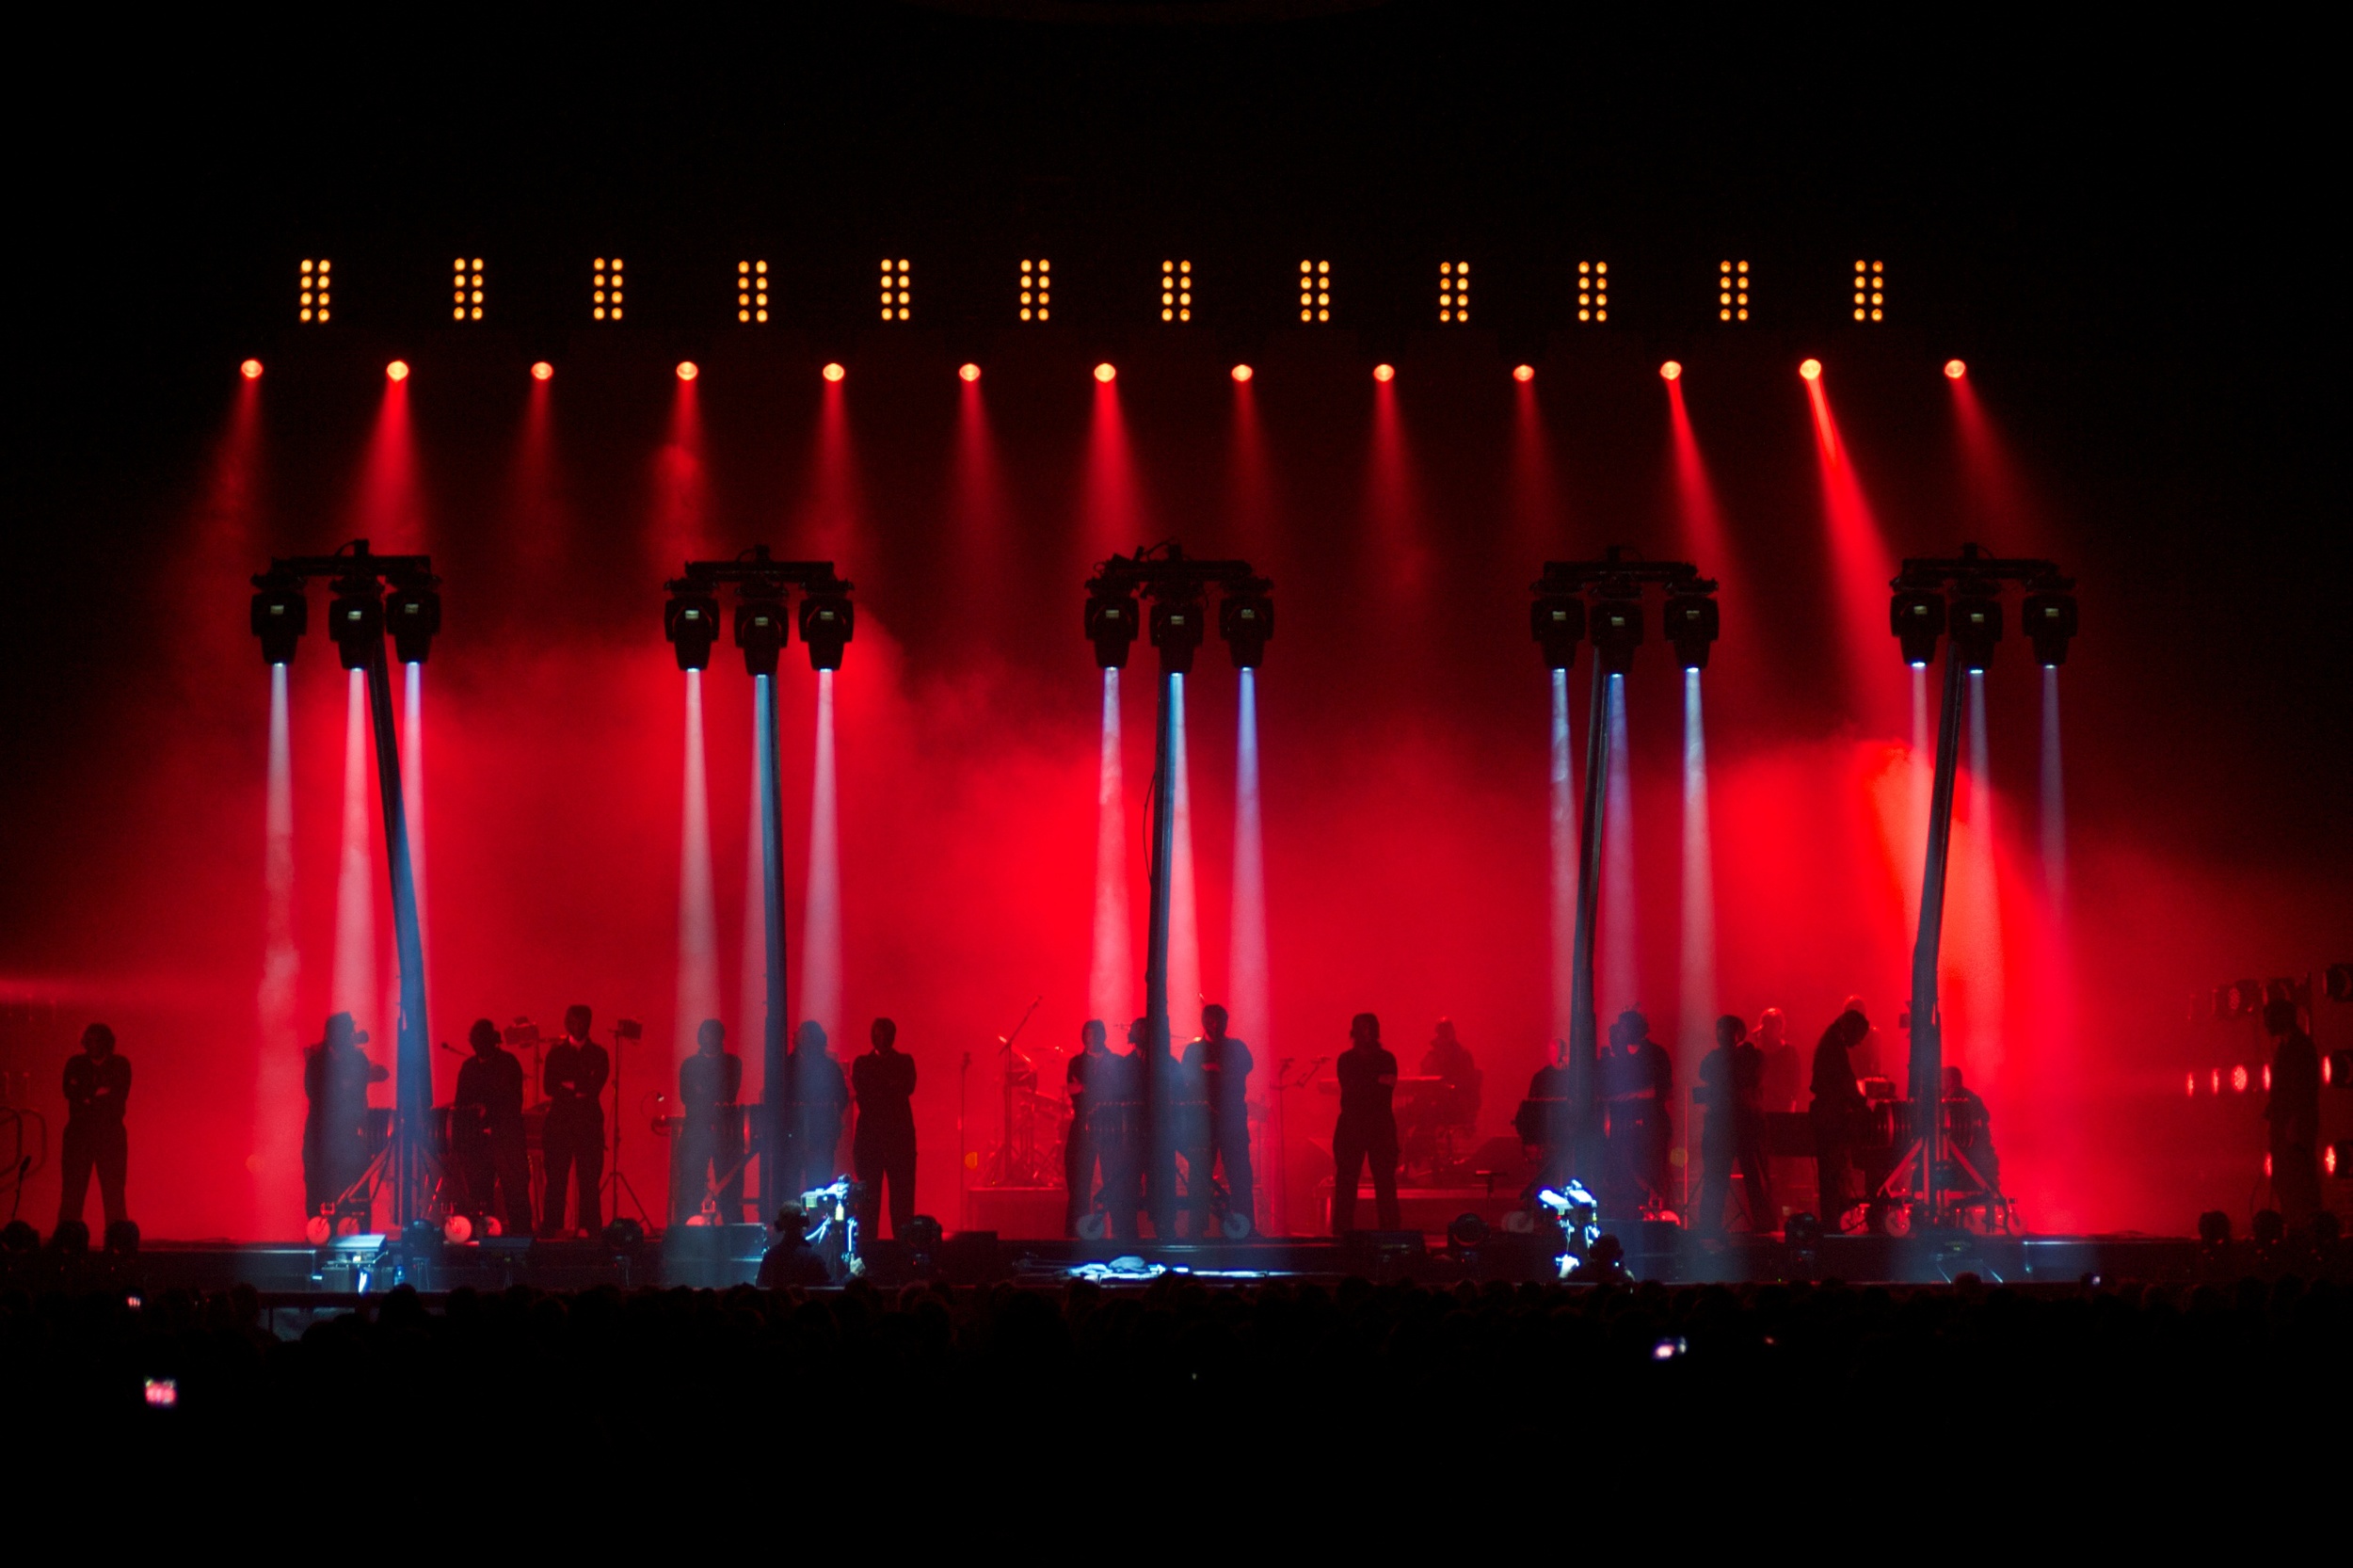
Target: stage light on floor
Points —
{"points": [[1243, 373], [1523, 373], [833, 372], [1811, 369], [542, 371], [1384, 372], [250, 370], [1954, 370], [396, 371], [968, 372], [1106, 372], [1671, 371], [688, 369]]}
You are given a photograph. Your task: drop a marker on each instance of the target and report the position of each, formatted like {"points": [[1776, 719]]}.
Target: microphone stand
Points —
{"points": [[614, 1180]]}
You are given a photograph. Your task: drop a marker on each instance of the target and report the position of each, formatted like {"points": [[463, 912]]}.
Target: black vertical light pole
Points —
{"points": [[412, 1088], [1971, 624], [691, 623], [358, 621], [1558, 620], [1584, 1025], [1927, 1067]]}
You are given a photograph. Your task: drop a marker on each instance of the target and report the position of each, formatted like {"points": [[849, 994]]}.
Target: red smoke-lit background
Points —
{"points": [[1403, 724]]}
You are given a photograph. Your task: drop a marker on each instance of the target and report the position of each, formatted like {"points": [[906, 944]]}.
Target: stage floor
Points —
{"points": [[722, 1256]]}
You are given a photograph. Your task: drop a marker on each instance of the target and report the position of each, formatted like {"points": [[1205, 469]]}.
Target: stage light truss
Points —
{"points": [[828, 620], [1960, 597], [1603, 599], [1178, 588]]}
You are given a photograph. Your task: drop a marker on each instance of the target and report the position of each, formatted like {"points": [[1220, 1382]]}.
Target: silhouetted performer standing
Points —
{"points": [[883, 1149], [487, 1132], [1366, 1130], [1450, 1062], [1731, 1087], [1837, 1104], [1219, 1064], [1638, 1078], [1547, 1119], [1088, 1078], [2294, 1112], [1120, 1135], [335, 1075], [710, 1131], [1157, 1127], [97, 1086], [572, 1076], [817, 1097]]}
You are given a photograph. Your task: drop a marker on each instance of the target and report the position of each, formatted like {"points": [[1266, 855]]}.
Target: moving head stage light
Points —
{"points": [[689, 619], [1561, 615], [1177, 586], [1919, 612], [356, 619]]}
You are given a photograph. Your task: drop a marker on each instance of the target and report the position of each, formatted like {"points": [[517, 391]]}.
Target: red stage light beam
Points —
{"points": [[1860, 567]]}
